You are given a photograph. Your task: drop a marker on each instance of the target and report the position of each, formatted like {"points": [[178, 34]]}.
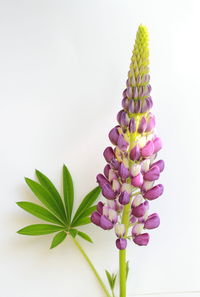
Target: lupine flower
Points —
{"points": [[130, 176]]}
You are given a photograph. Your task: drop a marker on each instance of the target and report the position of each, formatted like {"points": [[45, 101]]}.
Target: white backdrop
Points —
{"points": [[63, 67]]}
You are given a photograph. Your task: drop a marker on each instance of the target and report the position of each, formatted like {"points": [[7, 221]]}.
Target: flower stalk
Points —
{"points": [[100, 281]]}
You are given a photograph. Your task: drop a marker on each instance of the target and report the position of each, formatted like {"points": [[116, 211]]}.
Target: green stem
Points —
{"points": [[122, 253], [92, 267], [122, 272]]}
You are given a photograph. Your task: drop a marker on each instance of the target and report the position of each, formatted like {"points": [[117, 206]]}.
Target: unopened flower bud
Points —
{"points": [[121, 243]]}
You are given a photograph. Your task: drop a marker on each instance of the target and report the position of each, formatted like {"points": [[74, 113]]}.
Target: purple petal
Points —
{"points": [[101, 180], [114, 135], [137, 180], [131, 106], [124, 119], [157, 144], [100, 206], [125, 103], [106, 170], [154, 193], [95, 218], [132, 125], [142, 125], [152, 222], [121, 243], [137, 106], [160, 164], [148, 149], [105, 223], [119, 116], [135, 153], [152, 174], [108, 192], [124, 198], [135, 92], [121, 143], [109, 154], [139, 211], [114, 164], [141, 239], [150, 124], [123, 171]]}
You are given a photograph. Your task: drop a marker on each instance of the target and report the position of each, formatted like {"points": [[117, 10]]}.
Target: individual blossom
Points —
{"points": [[130, 178]]}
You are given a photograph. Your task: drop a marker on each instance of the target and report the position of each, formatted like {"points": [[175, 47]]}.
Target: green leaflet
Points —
{"points": [[44, 196], [58, 239], [39, 229], [68, 191], [81, 222], [84, 236], [39, 212], [89, 211], [49, 186], [89, 199]]}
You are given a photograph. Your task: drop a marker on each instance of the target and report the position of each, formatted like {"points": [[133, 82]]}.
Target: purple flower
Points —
{"points": [[129, 176]]}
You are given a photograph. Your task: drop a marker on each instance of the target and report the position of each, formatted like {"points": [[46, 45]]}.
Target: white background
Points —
{"points": [[63, 67]]}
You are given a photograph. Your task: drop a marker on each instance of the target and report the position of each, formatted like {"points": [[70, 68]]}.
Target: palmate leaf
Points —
{"points": [[58, 239], [68, 191], [39, 212], [57, 211], [87, 202], [45, 197], [39, 229], [49, 186]]}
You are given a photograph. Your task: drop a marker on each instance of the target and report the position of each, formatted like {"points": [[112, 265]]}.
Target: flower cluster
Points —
{"points": [[128, 182]]}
